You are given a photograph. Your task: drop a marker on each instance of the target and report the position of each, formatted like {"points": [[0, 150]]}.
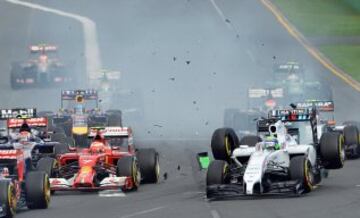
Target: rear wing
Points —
{"points": [[111, 75], [32, 122], [289, 67], [322, 106], [298, 115], [43, 48], [109, 132], [17, 113], [293, 115], [84, 94], [264, 93]]}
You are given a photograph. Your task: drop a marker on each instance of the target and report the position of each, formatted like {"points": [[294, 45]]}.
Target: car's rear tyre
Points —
{"points": [[59, 129], [70, 142], [81, 141], [149, 165], [61, 148], [15, 74], [8, 198], [300, 170], [58, 137], [114, 120], [217, 173], [37, 189], [128, 167], [223, 143], [114, 117], [351, 138], [250, 140], [332, 150]]}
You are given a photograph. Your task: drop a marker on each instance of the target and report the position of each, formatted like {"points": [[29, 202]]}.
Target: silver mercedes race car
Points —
{"points": [[285, 157]]}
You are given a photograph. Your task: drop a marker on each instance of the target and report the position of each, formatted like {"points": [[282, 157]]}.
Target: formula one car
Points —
{"points": [[26, 132], [111, 162], [289, 161], [291, 77], [79, 111], [42, 69], [112, 92], [20, 185], [260, 101], [327, 123]]}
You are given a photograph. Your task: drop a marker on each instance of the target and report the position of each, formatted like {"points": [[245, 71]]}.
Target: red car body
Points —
{"points": [[95, 168]]}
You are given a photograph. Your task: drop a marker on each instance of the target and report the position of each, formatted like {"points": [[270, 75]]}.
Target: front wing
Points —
{"points": [[108, 183], [224, 191]]}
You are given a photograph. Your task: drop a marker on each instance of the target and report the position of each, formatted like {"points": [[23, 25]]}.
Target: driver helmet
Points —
{"points": [[97, 147], [25, 128], [271, 143]]}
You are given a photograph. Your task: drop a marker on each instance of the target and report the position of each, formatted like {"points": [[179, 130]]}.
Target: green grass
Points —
{"points": [[322, 17], [347, 57], [328, 18]]}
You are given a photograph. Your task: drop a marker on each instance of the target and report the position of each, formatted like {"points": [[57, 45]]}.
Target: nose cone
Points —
{"points": [[85, 177]]}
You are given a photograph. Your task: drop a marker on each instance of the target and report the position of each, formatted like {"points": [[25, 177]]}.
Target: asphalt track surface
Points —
{"points": [[141, 38]]}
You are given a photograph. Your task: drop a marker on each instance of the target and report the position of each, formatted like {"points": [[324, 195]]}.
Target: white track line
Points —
{"points": [[215, 214], [142, 212], [92, 52], [111, 194]]}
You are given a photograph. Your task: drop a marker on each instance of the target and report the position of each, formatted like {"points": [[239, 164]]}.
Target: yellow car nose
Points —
{"points": [[79, 130]]}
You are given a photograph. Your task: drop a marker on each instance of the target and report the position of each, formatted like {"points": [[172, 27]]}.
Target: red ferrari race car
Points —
{"points": [[20, 187], [110, 162]]}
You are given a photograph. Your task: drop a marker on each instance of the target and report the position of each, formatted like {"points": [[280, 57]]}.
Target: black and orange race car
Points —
{"points": [[42, 69], [111, 162]]}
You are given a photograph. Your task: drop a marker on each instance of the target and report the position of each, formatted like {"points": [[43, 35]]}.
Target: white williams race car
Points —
{"points": [[285, 157]]}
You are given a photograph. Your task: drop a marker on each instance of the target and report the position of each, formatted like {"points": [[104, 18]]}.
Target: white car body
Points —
{"points": [[261, 159]]}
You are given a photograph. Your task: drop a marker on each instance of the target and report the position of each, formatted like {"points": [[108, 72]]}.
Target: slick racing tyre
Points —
{"points": [[47, 165], [128, 167], [15, 74], [217, 173], [70, 141], [37, 190], [250, 140], [8, 198], [300, 170], [114, 117], [58, 137], [149, 165], [223, 143], [332, 150], [59, 130], [60, 149], [351, 138], [81, 141]]}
